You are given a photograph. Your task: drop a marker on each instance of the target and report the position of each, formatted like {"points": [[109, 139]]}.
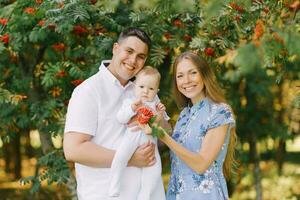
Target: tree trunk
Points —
{"points": [[17, 156], [280, 155], [254, 158], [7, 153]]}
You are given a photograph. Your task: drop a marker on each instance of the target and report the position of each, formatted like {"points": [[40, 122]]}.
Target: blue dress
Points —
{"points": [[191, 127]]}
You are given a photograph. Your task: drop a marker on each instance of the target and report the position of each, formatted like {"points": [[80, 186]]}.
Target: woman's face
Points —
{"points": [[189, 81]]}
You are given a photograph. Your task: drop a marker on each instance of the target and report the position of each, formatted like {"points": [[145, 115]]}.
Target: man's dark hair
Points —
{"points": [[139, 33]]}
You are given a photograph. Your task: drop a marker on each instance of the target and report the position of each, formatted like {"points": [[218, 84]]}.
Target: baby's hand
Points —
{"points": [[160, 107], [138, 103]]}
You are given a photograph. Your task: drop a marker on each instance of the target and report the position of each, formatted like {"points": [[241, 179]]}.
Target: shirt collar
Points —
{"points": [[110, 77]]}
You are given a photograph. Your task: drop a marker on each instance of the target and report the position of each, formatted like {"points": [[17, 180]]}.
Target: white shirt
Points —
{"points": [[92, 110]]}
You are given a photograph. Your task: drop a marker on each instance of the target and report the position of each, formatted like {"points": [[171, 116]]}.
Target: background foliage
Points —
{"points": [[48, 47]]}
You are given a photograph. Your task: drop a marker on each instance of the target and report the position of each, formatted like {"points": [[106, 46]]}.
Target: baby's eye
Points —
{"points": [[141, 86], [151, 88]]}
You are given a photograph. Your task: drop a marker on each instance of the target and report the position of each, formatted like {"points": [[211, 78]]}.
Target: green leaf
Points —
{"points": [[213, 8], [247, 59]]}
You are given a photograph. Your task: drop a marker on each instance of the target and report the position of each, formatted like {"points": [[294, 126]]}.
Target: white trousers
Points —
{"points": [[150, 177]]}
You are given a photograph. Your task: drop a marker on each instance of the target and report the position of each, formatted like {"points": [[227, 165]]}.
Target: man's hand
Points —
{"points": [[144, 156]]}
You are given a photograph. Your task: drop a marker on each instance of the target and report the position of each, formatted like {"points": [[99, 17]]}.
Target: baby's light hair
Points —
{"points": [[148, 70]]}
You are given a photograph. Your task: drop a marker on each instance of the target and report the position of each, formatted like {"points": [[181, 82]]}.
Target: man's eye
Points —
{"points": [[142, 57]]}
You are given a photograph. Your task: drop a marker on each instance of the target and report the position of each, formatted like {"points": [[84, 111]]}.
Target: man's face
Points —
{"points": [[129, 57]]}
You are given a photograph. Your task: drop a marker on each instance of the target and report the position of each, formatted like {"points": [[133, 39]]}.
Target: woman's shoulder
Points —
{"points": [[219, 106]]}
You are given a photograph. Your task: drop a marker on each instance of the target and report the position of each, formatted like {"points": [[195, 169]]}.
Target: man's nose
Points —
{"points": [[132, 59]]}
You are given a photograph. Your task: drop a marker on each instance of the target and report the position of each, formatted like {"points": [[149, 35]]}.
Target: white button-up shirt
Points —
{"points": [[92, 110]]}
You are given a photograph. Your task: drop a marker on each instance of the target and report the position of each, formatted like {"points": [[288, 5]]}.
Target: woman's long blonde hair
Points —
{"points": [[213, 91]]}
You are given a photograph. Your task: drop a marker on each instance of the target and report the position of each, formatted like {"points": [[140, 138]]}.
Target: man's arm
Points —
{"points": [[79, 148]]}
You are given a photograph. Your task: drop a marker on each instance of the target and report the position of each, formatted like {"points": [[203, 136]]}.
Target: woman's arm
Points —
{"points": [[211, 146]]}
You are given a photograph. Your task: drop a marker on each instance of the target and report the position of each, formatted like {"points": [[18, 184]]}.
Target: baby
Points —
{"points": [[146, 88]]}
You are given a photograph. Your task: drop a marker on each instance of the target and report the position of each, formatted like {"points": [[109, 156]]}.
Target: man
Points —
{"points": [[92, 131]]}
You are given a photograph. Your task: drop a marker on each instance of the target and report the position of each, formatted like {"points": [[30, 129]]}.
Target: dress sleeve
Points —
{"points": [[125, 113], [221, 115]]}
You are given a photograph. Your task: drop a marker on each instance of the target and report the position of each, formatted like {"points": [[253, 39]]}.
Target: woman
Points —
{"points": [[203, 136]]}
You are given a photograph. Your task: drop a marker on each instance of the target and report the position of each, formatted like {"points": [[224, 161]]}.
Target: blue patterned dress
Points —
{"points": [[191, 127]]}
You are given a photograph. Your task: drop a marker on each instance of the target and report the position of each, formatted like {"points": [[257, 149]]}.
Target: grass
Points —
{"points": [[275, 187]]}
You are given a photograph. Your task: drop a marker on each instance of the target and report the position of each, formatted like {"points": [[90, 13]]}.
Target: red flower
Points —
{"points": [[59, 46], [278, 38], [187, 37], [237, 18], [259, 29], [167, 35], [61, 5], [79, 30], [93, 1], [266, 10], [209, 51], [144, 114], [3, 21], [52, 26], [41, 22], [29, 10], [77, 82], [177, 23], [236, 7], [216, 33], [61, 74], [5, 38]]}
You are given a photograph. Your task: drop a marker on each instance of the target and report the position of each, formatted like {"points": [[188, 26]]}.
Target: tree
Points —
{"points": [[49, 47]]}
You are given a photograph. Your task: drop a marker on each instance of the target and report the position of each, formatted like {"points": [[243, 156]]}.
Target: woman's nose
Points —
{"points": [[186, 79]]}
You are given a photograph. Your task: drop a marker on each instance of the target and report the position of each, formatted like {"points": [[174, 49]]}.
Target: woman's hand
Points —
{"points": [[146, 129]]}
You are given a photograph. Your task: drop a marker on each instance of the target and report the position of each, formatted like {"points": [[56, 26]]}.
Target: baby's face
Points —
{"points": [[146, 87]]}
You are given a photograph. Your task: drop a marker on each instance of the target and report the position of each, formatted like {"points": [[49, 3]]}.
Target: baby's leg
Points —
{"points": [[150, 178], [124, 152]]}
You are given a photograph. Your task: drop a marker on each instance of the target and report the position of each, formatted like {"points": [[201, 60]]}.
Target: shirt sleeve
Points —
{"points": [[125, 113], [221, 115], [82, 114]]}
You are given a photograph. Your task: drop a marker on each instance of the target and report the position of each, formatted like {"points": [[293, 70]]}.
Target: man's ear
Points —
{"points": [[116, 46]]}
